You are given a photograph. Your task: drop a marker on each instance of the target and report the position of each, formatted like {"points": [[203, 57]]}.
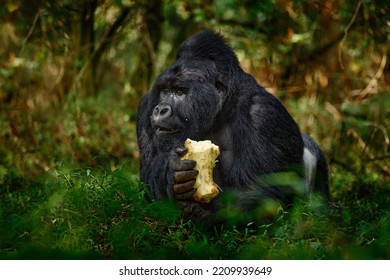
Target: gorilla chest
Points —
{"points": [[223, 167], [223, 138]]}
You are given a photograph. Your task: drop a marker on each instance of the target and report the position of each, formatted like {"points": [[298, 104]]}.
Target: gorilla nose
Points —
{"points": [[162, 112]]}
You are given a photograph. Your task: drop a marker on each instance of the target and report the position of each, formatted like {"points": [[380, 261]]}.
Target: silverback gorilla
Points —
{"points": [[205, 95]]}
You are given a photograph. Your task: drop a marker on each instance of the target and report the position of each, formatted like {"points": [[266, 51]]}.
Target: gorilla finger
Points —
{"points": [[186, 195], [184, 187], [181, 151], [185, 164], [184, 176]]}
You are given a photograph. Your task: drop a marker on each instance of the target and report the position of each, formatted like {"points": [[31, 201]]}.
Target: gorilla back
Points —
{"points": [[205, 95]]}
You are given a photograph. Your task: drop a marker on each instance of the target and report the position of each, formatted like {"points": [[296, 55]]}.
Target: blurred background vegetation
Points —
{"points": [[71, 76]]}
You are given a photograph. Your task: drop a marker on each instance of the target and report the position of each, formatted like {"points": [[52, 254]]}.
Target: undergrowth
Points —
{"points": [[93, 213]]}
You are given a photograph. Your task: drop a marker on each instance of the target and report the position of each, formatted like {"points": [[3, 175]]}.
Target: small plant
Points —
{"points": [[94, 213]]}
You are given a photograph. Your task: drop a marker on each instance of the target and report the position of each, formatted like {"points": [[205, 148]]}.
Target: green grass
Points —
{"points": [[93, 213]]}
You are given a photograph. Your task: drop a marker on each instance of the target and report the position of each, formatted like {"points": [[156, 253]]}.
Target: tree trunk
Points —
{"points": [[87, 47], [150, 36]]}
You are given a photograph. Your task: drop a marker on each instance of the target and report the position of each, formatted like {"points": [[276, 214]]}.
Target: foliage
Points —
{"points": [[85, 133], [95, 213], [72, 74]]}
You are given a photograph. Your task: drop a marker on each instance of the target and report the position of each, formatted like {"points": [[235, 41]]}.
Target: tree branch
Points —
{"points": [[346, 30], [108, 37], [104, 42]]}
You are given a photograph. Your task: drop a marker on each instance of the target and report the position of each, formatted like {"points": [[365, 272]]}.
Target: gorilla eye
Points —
{"points": [[164, 91], [179, 92]]}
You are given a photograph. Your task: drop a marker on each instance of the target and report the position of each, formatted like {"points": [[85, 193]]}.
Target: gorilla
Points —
{"points": [[206, 95]]}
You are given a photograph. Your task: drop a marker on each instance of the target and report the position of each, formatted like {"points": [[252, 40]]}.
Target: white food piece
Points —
{"points": [[205, 154]]}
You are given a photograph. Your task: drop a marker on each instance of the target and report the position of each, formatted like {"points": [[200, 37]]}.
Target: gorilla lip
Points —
{"points": [[165, 130]]}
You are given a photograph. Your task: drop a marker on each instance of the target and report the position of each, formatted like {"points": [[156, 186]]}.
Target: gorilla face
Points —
{"points": [[186, 101]]}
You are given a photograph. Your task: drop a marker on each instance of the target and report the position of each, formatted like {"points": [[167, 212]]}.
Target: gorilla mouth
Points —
{"points": [[165, 130]]}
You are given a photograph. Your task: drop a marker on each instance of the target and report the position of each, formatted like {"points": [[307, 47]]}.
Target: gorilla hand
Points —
{"points": [[184, 175], [197, 212]]}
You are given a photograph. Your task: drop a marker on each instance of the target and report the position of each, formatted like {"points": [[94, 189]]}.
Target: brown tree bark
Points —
{"points": [[150, 36]]}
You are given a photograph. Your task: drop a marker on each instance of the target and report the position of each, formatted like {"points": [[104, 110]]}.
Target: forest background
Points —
{"points": [[72, 74]]}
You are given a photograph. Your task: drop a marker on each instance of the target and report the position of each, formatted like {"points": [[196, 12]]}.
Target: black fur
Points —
{"points": [[203, 95]]}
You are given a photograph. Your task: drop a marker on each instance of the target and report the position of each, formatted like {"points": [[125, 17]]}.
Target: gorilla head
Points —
{"points": [[188, 97]]}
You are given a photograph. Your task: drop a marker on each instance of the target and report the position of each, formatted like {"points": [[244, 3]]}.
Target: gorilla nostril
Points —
{"points": [[164, 111]]}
